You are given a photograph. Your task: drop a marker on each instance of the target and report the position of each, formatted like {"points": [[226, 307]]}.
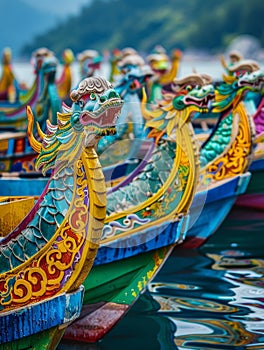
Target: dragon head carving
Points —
{"points": [[93, 114], [45, 60], [90, 61], [135, 74], [248, 78], [191, 94]]}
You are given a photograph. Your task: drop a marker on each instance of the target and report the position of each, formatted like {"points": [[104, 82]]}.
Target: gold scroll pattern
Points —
{"points": [[236, 157]]}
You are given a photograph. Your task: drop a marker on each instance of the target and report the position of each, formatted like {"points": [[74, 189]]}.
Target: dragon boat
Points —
{"points": [[49, 254], [228, 152], [42, 97], [245, 81], [225, 156], [8, 82], [128, 142], [146, 217], [254, 104], [115, 57], [89, 62], [165, 69], [16, 155], [64, 82]]}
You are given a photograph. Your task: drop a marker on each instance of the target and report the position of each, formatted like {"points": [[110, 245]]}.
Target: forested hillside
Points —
{"points": [[197, 24]]}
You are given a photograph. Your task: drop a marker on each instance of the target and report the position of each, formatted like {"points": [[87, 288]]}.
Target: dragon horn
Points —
{"points": [[36, 145], [229, 79], [223, 61], [41, 134], [146, 114]]}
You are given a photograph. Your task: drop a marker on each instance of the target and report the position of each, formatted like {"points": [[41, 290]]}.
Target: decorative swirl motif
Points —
{"points": [[43, 276], [128, 223], [89, 86], [236, 159]]}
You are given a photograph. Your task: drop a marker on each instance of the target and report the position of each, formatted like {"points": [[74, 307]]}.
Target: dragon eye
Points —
{"points": [[92, 96], [189, 88]]}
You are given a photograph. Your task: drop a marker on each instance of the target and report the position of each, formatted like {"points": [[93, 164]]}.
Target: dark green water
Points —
{"points": [[210, 298]]}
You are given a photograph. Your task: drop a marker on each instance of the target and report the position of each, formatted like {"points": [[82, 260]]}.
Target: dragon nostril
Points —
{"points": [[103, 98]]}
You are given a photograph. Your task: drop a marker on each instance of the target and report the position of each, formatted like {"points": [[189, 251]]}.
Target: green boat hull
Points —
{"points": [[46, 340], [110, 291]]}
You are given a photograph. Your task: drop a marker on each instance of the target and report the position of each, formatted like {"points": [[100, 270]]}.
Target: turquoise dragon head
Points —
{"points": [[94, 112], [135, 74]]}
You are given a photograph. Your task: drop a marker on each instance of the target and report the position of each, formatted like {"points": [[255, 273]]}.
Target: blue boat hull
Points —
{"points": [[209, 209], [36, 318]]}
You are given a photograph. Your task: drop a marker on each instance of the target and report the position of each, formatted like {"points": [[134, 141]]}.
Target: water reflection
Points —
{"points": [[142, 328], [212, 298], [223, 309]]}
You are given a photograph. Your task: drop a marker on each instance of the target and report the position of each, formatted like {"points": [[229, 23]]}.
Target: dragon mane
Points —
{"points": [[61, 144]]}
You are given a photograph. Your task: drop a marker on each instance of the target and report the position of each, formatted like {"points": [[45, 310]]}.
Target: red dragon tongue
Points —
{"points": [[136, 84]]}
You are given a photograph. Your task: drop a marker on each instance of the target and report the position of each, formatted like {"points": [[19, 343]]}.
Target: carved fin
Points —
{"points": [[41, 134], [223, 61], [36, 145], [148, 114], [229, 79]]}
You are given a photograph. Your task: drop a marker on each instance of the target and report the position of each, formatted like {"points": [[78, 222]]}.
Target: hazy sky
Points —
{"points": [[63, 7]]}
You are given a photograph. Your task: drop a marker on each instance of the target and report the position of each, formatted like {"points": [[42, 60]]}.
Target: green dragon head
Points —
{"points": [[191, 95], [238, 68], [228, 95], [93, 114]]}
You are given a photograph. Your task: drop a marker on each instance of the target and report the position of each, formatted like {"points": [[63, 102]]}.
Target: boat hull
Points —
{"points": [[121, 271], [111, 290], [40, 325], [210, 209], [254, 195]]}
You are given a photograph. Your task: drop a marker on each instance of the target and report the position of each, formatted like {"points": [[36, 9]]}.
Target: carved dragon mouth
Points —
{"points": [[135, 85], [201, 103], [139, 81], [103, 120], [251, 84]]}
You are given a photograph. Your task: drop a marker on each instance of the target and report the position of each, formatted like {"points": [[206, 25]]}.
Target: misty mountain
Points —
{"points": [[107, 24], [196, 24]]}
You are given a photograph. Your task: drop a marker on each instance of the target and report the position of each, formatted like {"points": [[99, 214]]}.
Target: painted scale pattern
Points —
{"points": [[40, 230], [218, 142], [149, 181]]}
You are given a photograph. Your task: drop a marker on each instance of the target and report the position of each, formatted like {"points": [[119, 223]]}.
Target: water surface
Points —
{"points": [[209, 298]]}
